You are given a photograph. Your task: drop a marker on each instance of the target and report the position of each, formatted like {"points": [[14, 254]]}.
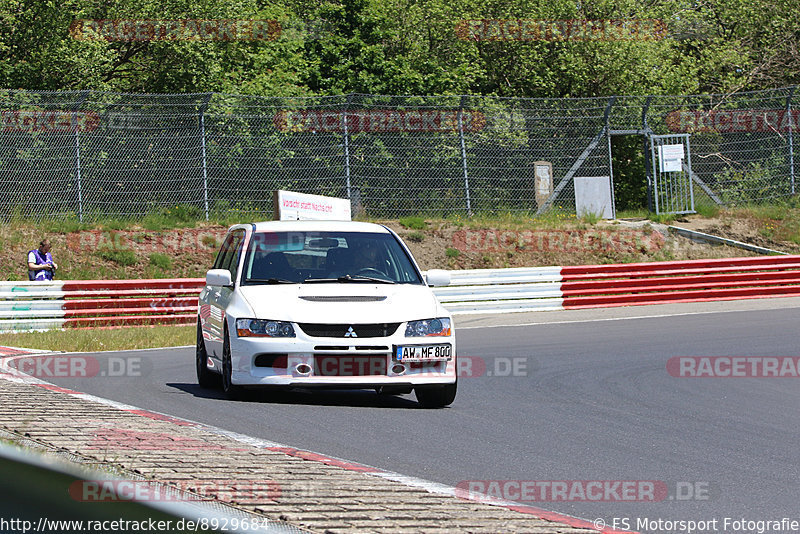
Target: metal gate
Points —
{"points": [[672, 173]]}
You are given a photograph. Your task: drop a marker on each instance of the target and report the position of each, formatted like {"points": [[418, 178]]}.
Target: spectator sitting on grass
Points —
{"points": [[40, 263]]}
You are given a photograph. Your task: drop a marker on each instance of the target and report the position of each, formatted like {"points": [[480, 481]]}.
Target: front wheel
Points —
{"points": [[205, 378], [436, 396], [233, 391]]}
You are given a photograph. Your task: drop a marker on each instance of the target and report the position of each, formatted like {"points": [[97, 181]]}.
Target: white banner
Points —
{"points": [[291, 206]]}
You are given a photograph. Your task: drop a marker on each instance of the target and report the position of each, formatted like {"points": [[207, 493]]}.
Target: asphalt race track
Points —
{"points": [[593, 401]]}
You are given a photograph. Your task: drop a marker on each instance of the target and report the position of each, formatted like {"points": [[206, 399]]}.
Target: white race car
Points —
{"points": [[323, 304]]}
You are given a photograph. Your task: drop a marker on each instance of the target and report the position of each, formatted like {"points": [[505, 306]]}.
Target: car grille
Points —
{"points": [[339, 330]]}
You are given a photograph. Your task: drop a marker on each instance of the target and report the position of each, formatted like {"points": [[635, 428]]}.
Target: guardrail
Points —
{"points": [[625, 284], [98, 303], [502, 290]]}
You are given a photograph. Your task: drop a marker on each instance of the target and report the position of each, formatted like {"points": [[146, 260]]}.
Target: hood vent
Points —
{"points": [[345, 298]]}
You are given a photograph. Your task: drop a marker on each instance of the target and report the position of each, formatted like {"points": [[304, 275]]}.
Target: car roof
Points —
{"points": [[319, 226]]}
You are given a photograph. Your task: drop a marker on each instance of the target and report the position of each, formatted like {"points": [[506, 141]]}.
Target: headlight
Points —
{"points": [[263, 328], [429, 327]]}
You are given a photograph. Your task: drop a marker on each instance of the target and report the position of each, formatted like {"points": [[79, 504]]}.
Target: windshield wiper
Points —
{"points": [[272, 280], [357, 277]]}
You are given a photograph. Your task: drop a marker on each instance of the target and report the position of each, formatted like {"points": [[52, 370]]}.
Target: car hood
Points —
{"points": [[341, 302]]}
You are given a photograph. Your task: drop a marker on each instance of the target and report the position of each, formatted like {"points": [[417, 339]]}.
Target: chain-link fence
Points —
{"points": [[91, 154]]}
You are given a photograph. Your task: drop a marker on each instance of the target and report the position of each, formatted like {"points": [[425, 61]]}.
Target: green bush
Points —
{"points": [[758, 181], [413, 223], [416, 237], [161, 261], [123, 257]]}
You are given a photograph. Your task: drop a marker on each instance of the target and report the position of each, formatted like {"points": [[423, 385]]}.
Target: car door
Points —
{"points": [[218, 298]]}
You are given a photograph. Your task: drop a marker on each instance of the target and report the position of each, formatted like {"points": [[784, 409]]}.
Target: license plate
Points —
{"points": [[423, 353]]}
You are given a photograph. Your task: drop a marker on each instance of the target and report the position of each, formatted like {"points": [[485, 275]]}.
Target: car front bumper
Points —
{"points": [[335, 362]]}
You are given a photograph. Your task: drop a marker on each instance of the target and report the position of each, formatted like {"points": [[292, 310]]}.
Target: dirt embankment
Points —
{"points": [[189, 252], [606, 242]]}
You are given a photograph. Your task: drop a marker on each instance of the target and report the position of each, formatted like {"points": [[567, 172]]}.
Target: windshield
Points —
{"points": [[327, 257]]}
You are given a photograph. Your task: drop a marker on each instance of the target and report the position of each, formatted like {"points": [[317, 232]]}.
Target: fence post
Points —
{"points": [[79, 104], [203, 108], [464, 153], [648, 169], [347, 145], [791, 136]]}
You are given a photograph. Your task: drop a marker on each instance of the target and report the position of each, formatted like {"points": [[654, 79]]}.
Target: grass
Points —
{"points": [[165, 218], [119, 256], [179, 216], [642, 213], [779, 221], [663, 218], [161, 261], [416, 237], [707, 210], [187, 216], [591, 218], [555, 218], [93, 340], [413, 223]]}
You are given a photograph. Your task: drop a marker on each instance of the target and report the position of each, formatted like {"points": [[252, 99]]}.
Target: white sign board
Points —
{"points": [[670, 157], [543, 181], [291, 206], [593, 196]]}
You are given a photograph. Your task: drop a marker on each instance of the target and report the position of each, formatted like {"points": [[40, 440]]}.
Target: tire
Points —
{"points": [[436, 396], [205, 378], [232, 391]]}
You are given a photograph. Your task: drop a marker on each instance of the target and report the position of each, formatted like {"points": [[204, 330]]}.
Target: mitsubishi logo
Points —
{"points": [[350, 333]]}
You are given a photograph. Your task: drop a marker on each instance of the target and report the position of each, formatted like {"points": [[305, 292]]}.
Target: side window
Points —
{"points": [[220, 259], [229, 253], [234, 252]]}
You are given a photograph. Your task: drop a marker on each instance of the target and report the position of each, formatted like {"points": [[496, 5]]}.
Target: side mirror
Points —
{"points": [[437, 277], [219, 277]]}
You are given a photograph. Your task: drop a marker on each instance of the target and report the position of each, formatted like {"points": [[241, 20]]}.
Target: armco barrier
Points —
{"points": [[625, 284], [40, 305], [96, 303], [680, 281]]}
